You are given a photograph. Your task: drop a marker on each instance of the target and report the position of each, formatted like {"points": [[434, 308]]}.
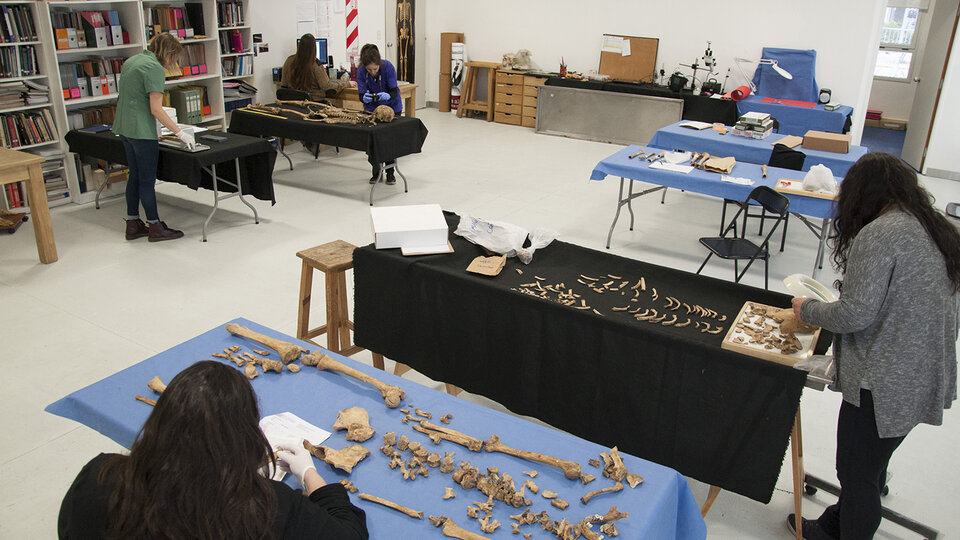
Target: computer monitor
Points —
{"points": [[321, 50]]}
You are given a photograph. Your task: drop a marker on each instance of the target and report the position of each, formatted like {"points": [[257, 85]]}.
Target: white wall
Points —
{"points": [[277, 21], [943, 153], [845, 39]]}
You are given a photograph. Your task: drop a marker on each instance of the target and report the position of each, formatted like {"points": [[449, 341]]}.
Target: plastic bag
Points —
{"points": [[820, 178], [503, 238], [821, 369]]}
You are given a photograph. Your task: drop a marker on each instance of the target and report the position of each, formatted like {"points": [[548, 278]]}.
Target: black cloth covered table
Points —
{"points": [[381, 142], [257, 158], [701, 108], [667, 394]]}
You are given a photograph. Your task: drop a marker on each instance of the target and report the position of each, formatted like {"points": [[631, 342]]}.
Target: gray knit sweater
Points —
{"points": [[896, 323]]}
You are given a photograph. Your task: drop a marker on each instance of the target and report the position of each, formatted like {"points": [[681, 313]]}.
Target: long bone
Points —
{"points": [[288, 351], [392, 395], [448, 434], [570, 469], [390, 504], [453, 530]]}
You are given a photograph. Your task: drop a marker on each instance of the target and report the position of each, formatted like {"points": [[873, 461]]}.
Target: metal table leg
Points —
{"points": [[217, 197], [821, 232], [383, 170], [628, 201], [106, 181]]}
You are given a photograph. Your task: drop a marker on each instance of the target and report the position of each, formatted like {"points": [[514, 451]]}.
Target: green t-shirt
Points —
{"points": [[140, 75]]}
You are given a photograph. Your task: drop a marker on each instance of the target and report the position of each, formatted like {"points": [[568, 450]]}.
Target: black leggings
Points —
{"points": [[376, 166], [862, 458]]}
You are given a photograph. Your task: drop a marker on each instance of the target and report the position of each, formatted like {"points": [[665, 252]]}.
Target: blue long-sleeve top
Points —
{"points": [[384, 81]]}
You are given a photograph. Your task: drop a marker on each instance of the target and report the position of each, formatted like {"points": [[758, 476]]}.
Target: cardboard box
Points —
{"points": [[871, 122], [890, 123], [828, 142], [415, 228]]}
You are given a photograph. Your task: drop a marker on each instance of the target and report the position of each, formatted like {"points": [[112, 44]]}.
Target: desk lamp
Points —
{"points": [[768, 61]]}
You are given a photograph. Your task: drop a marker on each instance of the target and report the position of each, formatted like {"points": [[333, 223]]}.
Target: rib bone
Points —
{"points": [[570, 469], [392, 395], [390, 504], [288, 351]]}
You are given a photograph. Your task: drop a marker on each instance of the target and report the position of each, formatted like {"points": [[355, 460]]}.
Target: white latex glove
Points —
{"points": [[295, 459], [187, 139]]}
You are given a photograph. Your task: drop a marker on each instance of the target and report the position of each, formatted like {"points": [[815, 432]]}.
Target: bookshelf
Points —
{"points": [[194, 22], [27, 120], [236, 53]]}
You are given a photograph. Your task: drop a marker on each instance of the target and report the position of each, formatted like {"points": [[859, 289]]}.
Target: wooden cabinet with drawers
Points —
{"points": [[516, 98]]}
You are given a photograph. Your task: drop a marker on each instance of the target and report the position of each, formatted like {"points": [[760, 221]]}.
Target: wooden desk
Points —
{"points": [[19, 166], [408, 92]]}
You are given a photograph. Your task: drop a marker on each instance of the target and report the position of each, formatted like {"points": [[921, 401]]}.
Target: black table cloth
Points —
{"points": [[700, 108], [667, 394], [257, 158], [382, 142]]}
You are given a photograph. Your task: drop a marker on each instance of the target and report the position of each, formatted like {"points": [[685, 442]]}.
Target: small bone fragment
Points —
{"points": [[716, 330], [234, 348], [451, 435], [156, 384], [595, 462], [288, 351], [531, 486], [392, 395], [560, 503], [609, 529], [526, 536], [433, 460], [634, 479], [654, 291], [148, 401], [531, 474], [612, 489], [547, 494], [613, 466], [250, 370], [220, 355], [448, 493], [424, 414], [405, 411], [705, 327], [403, 443], [519, 271], [390, 504], [516, 528], [389, 451], [587, 478], [345, 459], [570, 469], [670, 321], [357, 423], [349, 486], [681, 325], [446, 418], [452, 530], [293, 368], [488, 526], [447, 466], [389, 438], [473, 512], [395, 461], [261, 352]]}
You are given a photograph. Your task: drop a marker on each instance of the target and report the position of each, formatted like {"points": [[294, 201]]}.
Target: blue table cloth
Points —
{"points": [[745, 149], [661, 507], [798, 120], [709, 183]]}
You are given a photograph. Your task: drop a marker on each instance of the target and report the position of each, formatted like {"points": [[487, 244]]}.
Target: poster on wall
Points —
{"points": [[324, 18], [405, 48], [306, 18]]}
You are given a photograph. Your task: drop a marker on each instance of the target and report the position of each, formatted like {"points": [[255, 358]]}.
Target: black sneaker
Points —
{"points": [[391, 179], [373, 179], [810, 528]]}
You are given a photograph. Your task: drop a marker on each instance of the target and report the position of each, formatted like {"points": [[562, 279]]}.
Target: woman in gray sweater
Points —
{"points": [[896, 326]]}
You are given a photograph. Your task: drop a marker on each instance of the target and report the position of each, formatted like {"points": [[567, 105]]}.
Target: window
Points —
{"points": [[898, 40]]}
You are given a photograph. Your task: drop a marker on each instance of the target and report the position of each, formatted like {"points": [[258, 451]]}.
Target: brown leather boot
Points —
{"points": [[160, 232], [136, 228]]}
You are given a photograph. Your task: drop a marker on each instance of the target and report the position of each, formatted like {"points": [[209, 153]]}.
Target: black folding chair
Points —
{"points": [[783, 157], [739, 248]]}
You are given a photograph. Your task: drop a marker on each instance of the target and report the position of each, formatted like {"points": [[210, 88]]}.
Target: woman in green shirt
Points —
{"points": [[139, 108]]}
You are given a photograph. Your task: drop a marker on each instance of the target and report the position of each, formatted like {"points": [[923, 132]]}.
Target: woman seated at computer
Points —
{"points": [[302, 72]]}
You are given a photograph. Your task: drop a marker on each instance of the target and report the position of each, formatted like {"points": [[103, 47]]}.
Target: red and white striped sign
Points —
{"points": [[353, 28]]}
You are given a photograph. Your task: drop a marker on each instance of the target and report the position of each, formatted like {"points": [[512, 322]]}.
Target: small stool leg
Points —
{"points": [[306, 289], [377, 360], [711, 496], [400, 369], [344, 310], [333, 311]]}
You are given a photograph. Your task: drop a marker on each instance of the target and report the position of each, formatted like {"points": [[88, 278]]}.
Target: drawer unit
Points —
{"points": [[506, 118], [530, 111], [509, 108], [530, 102], [504, 77], [529, 121], [530, 91], [511, 97]]}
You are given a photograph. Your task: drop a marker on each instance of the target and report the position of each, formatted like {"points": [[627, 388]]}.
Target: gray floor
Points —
{"points": [[109, 303]]}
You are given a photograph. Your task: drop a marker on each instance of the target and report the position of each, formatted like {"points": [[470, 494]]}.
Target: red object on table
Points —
{"points": [[739, 93], [791, 102]]}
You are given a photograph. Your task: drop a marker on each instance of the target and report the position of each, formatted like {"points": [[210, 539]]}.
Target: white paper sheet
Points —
{"points": [[612, 44], [625, 50], [685, 169], [288, 427], [736, 180], [306, 11], [306, 27]]}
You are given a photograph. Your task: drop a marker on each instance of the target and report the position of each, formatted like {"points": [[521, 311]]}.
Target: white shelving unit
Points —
{"points": [[230, 20], [42, 77]]}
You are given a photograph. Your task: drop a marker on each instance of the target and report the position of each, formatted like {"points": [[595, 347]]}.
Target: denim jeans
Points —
{"points": [[142, 155]]}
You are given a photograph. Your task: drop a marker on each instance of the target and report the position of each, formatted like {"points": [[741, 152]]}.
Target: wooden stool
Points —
{"points": [[333, 259], [468, 101]]}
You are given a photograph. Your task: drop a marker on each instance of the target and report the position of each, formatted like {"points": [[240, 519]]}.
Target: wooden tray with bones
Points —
{"points": [[770, 333]]}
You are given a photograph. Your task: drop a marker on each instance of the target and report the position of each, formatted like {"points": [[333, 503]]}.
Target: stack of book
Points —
{"points": [[87, 29], [184, 22], [54, 178], [11, 95], [27, 128], [230, 13], [16, 24], [756, 125], [97, 76], [36, 93]]}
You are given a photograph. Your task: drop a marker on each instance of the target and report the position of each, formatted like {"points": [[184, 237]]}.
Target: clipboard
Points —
{"points": [[639, 66]]}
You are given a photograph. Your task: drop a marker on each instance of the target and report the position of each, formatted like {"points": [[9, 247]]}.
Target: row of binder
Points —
{"points": [[238, 66], [87, 29], [92, 77], [183, 22], [16, 24], [230, 13], [27, 66], [192, 61]]}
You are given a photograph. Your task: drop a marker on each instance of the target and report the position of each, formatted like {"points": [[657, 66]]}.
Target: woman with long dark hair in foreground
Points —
{"points": [[193, 473], [896, 326]]}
